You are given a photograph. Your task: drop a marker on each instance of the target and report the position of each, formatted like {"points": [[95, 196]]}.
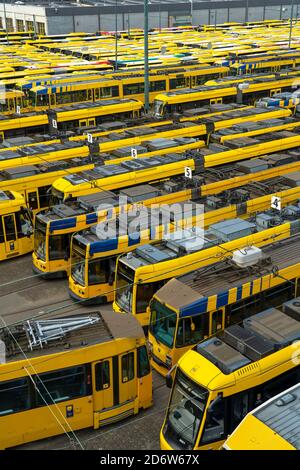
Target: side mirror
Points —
{"points": [[169, 380]]}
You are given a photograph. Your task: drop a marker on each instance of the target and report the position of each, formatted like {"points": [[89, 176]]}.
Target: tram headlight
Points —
{"points": [[150, 348]]}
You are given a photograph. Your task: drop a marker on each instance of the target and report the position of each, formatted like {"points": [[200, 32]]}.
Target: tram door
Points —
{"points": [[10, 234], [127, 377], [103, 385], [114, 381], [11, 105]]}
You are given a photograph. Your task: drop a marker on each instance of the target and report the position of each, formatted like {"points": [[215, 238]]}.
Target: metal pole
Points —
{"points": [[191, 12], [146, 56], [159, 17], [128, 25], [34, 27], [5, 19], [247, 11], [291, 24], [116, 35]]}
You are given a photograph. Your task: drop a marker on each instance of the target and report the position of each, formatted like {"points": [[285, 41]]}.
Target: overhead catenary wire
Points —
{"points": [[68, 426], [115, 289]]}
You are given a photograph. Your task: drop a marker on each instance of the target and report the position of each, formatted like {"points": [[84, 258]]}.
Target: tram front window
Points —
{"points": [[158, 107], [124, 286], [59, 246], [162, 323], [185, 413], [99, 270], [78, 267]]}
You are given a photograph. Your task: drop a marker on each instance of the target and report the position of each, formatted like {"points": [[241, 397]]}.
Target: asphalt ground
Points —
{"points": [[24, 295]]}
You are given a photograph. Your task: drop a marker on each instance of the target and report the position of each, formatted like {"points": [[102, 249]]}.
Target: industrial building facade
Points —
{"points": [[64, 16]]}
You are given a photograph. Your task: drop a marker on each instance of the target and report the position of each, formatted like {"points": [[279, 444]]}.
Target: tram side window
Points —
{"points": [[239, 409], [201, 79], [159, 85], [3, 107], [62, 98], [42, 100], [9, 225], [1, 231], [143, 362], [24, 224], [14, 396], [279, 294], [61, 385], [274, 386], [145, 293], [33, 200], [109, 91], [177, 83], [133, 88], [216, 323], [243, 309], [128, 367], [44, 196], [102, 375]]}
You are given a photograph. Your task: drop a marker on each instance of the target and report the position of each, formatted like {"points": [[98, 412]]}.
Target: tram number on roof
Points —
{"points": [[188, 172], [90, 138], [134, 152], [276, 203], [54, 123]]}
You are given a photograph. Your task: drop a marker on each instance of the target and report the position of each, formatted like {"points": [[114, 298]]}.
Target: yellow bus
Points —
{"points": [[94, 382], [274, 425], [140, 275], [16, 226], [223, 378]]}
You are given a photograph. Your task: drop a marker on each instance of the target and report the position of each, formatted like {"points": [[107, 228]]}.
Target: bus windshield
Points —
{"points": [[185, 413], [78, 265], [124, 286], [158, 108], [162, 323], [40, 239]]}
